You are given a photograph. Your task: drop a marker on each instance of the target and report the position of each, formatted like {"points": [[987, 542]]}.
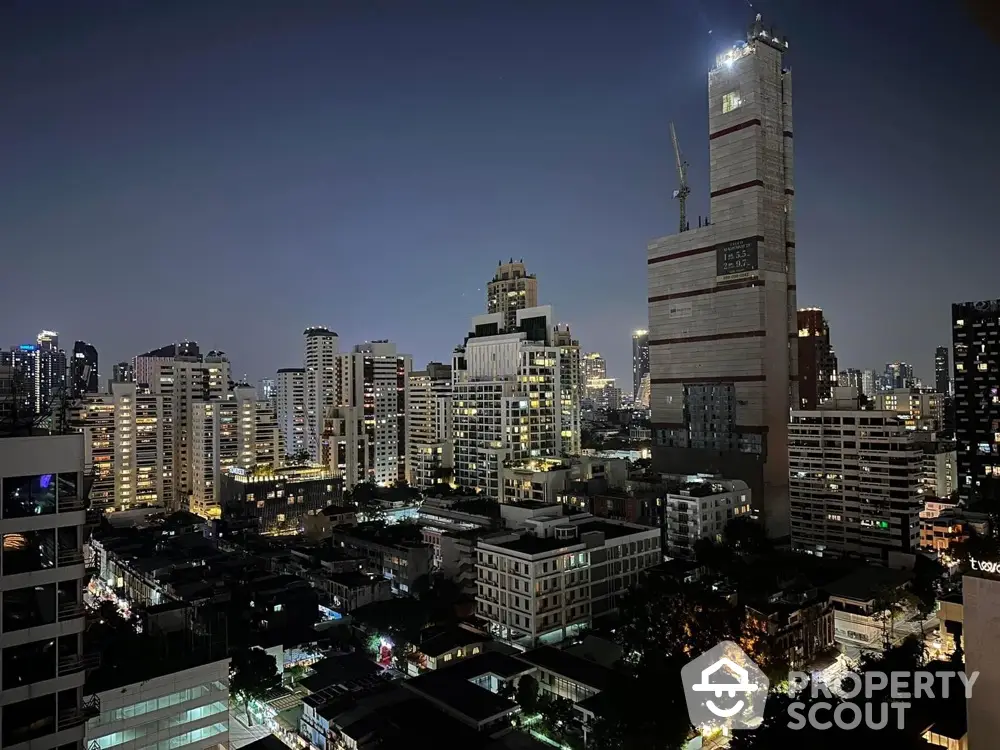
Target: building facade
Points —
{"points": [[50, 372], [640, 360], [322, 384], [280, 500], [83, 369], [700, 508], [855, 481], [976, 347], [290, 390], [918, 408], [722, 301], [430, 455], [942, 372], [817, 360], [511, 289]]}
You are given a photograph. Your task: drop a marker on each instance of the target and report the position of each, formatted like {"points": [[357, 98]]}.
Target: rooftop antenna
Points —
{"points": [[683, 191]]}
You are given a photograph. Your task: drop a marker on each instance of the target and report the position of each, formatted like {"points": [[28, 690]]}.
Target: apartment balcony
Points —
{"points": [[74, 717], [76, 663], [70, 556], [70, 611]]}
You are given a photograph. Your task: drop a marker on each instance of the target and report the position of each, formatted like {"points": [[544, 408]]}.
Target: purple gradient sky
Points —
{"points": [[233, 171]]}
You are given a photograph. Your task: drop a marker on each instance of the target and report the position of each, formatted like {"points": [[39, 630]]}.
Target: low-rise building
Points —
{"points": [[545, 479], [396, 552], [699, 507], [346, 592], [942, 532], [559, 574], [798, 624], [859, 601], [279, 500]]}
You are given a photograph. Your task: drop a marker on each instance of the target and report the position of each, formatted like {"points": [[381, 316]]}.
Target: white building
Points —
{"points": [[558, 575], [428, 426], [917, 408], [129, 445], [323, 389], [43, 577], [699, 507], [187, 380], [183, 710], [544, 480], [346, 445], [508, 402], [290, 397], [854, 480]]}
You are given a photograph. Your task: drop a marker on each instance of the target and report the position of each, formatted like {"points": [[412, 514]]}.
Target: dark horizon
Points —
{"points": [[234, 172]]}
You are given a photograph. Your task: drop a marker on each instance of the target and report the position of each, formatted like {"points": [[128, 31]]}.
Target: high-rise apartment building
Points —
{"points": [[942, 372], [593, 367], [266, 389], [374, 378], [511, 289], [976, 348], [346, 445], [20, 381], [856, 480], [188, 380], [83, 369], [290, 398], [917, 408], [128, 439], [145, 366], [507, 397], [323, 386], [428, 426], [50, 372], [640, 360], [850, 378], [817, 360], [722, 302], [897, 375], [41, 633], [123, 372], [570, 387]]}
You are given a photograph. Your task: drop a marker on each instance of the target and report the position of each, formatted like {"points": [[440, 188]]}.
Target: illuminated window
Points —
{"points": [[731, 101]]}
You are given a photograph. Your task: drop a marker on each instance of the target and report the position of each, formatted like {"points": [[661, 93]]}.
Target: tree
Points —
{"points": [[746, 536], [527, 694], [506, 690], [252, 674], [927, 576], [559, 716], [300, 456], [891, 603]]}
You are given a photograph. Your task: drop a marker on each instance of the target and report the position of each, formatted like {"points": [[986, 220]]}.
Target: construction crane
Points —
{"points": [[683, 191]]}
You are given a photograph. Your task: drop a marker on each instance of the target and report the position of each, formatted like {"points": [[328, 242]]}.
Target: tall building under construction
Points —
{"points": [[722, 308]]}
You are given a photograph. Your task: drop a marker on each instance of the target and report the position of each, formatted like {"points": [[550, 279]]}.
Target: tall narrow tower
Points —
{"points": [[511, 289], [722, 309]]}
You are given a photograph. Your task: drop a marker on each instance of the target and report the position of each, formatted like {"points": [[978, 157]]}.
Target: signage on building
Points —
{"points": [[736, 259], [236, 471], [985, 566]]}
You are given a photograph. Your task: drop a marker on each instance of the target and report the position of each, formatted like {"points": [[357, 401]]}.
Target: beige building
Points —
{"points": [[430, 455], [722, 301], [918, 408], [699, 507], [545, 480], [511, 289]]}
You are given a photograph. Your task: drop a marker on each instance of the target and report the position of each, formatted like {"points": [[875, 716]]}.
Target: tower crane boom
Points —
{"points": [[683, 190]]}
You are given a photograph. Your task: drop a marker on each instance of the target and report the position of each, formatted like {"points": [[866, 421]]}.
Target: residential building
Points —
{"points": [[346, 445], [570, 388], [545, 480], [322, 386], [266, 389], [897, 375], [700, 507], [145, 367], [21, 364], [129, 446], [395, 552], [511, 289], [939, 467], [278, 500], [645, 393], [850, 378], [858, 605], [593, 366], [269, 448], [640, 360], [123, 372], [559, 574], [817, 360], [869, 383], [42, 520], [976, 348], [186, 380], [51, 370], [374, 378], [428, 426], [918, 408], [186, 709], [942, 532], [348, 591], [507, 397], [942, 372], [797, 623], [290, 391], [83, 369], [855, 481], [722, 300]]}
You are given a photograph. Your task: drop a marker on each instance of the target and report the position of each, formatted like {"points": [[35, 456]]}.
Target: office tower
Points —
{"points": [[50, 373], [861, 496], [570, 387], [897, 375], [593, 367], [187, 380], [144, 366], [976, 348], [645, 391], [640, 360], [428, 426], [20, 382], [290, 392], [128, 440], [41, 633], [123, 372], [374, 377], [83, 369], [817, 360], [507, 397], [942, 373], [722, 296], [869, 383], [323, 387], [510, 290], [850, 378], [266, 389]]}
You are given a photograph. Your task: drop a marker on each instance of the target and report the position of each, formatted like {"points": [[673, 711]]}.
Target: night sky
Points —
{"points": [[232, 171]]}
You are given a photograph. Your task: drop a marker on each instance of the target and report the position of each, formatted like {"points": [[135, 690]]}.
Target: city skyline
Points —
{"points": [[251, 174]]}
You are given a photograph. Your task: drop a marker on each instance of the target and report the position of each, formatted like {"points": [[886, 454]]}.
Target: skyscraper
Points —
{"points": [[428, 426], [897, 375], [50, 372], [144, 366], [83, 369], [942, 373], [323, 388], [291, 408], [817, 360], [593, 366], [640, 360], [510, 290], [976, 346], [123, 372], [722, 297]]}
